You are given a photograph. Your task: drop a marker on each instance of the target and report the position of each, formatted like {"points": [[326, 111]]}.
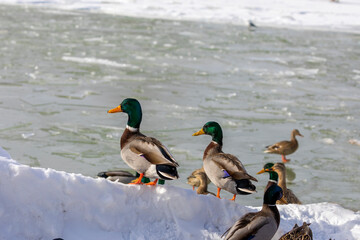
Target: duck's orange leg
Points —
{"points": [[152, 183], [284, 159], [138, 180], [193, 188], [233, 199], [218, 193]]}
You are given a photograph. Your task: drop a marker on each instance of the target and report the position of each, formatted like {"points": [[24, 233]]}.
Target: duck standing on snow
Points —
{"points": [[199, 179], [288, 197], [299, 233], [224, 170], [258, 225], [146, 155], [285, 147], [273, 176]]}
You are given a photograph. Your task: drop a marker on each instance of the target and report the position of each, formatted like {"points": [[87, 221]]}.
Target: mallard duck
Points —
{"points": [[224, 170], [258, 225], [299, 233], [199, 179], [285, 147], [118, 176], [146, 155], [289, 196], [273, 176]]}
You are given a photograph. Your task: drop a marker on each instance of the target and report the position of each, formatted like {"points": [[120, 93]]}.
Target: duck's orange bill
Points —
{"points": [[261, 171], [114, 110], [200, 132]]}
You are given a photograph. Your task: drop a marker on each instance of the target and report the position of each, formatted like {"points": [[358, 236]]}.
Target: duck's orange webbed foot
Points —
{"points": [[233, 199], [284, 159], [152, 183], [218, 193], [138, 180]]}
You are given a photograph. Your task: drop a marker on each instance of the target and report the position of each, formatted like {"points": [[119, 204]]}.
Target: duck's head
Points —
{"points": [[213, 129], [132, 107], [272, 194], [296, 132], [268, 168], [277, 168]]}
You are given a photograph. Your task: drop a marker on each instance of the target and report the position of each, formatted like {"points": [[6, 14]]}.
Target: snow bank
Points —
{"points": [[320, 14], [37, 203]]}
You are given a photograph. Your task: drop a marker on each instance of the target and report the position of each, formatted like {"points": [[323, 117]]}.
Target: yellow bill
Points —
{"points": [[200, 132], [114, 110]]}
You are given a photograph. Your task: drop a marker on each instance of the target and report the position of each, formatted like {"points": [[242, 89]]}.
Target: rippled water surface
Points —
{"points": [[61, 71]]}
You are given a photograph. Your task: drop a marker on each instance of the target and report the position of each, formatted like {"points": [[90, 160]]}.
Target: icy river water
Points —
{"points": [[60, 71]]}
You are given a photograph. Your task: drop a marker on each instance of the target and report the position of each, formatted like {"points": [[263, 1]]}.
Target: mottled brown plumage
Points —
{"points": [[285, 148], [299, 233], [288, 196], [199, 179]]}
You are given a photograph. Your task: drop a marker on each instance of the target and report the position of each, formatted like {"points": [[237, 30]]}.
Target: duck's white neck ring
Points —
{"points": [[271, 205], [132, 129], [270, 180], [214, 142]]}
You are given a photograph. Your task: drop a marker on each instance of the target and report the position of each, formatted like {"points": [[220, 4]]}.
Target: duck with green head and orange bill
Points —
{"points": [[258, 225], [146, 155], [273, 176], [278, 170], [224, 170], [285, 147]]}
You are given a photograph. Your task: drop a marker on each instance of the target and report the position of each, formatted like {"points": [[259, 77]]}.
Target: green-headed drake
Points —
{"points": [[258, 225], [273, 176], [146, 155], [199, 179], [288, 197], [224, 170], [285, 147]]}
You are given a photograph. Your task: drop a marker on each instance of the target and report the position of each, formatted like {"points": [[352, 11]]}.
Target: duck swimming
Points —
{"points": [[285, 147], [146, 155], [258, 225], [224, 170]]}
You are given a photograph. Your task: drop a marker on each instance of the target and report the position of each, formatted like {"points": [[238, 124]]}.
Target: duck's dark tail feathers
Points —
{"points": [[245, 187], [167, 172]]}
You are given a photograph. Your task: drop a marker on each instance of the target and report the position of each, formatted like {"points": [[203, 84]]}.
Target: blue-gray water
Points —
{"points": [[61, 71]]}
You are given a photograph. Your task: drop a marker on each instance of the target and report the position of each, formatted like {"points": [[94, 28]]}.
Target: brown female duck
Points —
{"points": [[285, 147], [199, 179], [288, 196]]}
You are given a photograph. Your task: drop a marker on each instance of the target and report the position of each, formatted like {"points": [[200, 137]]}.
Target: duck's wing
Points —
{"points": [[232, 166], [279, 147], [290, 197], [152, 150], [246, 226]]}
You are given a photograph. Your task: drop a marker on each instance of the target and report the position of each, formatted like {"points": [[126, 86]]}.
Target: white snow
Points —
{"points": [[319, 14], [38, 203]]}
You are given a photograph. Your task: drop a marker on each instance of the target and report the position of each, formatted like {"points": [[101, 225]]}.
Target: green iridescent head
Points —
{"points": [[268, 168], [213, 129], [132, 107]]}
